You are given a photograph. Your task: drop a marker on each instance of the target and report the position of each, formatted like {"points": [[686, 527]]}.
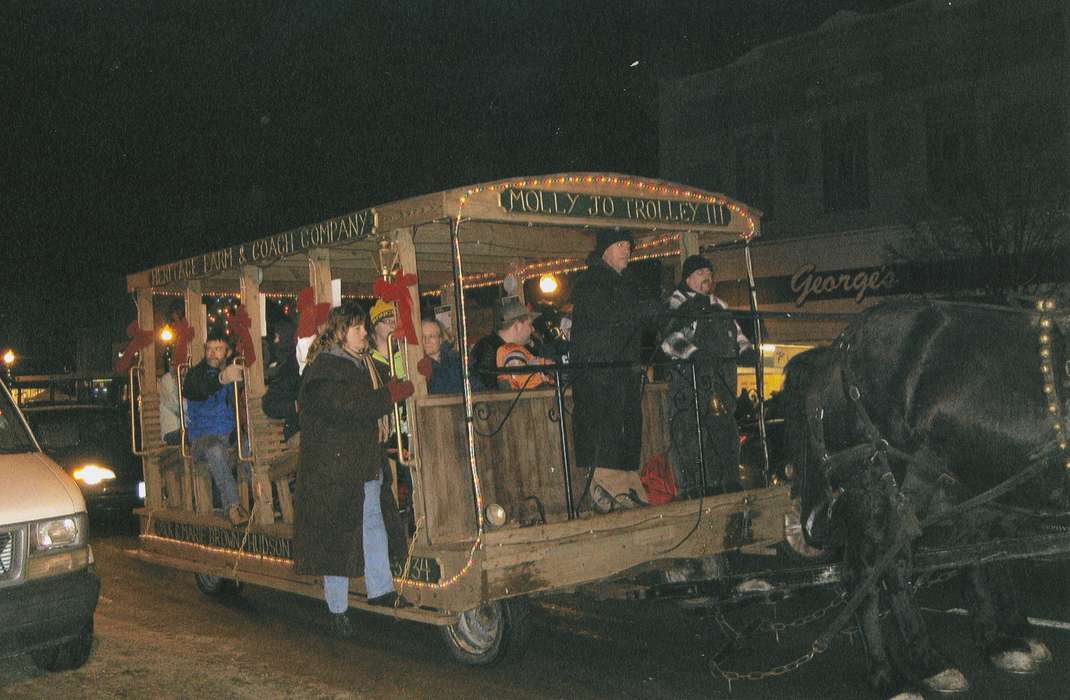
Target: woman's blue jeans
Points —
{"points": [[377, 577]]}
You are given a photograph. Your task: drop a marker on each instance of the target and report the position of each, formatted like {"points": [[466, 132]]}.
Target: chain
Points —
{"points": [[782, 669], [776, 628], [806, 619]]}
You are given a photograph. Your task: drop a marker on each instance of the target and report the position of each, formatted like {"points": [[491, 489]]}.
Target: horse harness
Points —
{"points": [[874, 453]]}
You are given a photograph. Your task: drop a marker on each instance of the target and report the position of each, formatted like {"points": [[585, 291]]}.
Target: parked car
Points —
{"points": [[92, 444], [48, 589]]}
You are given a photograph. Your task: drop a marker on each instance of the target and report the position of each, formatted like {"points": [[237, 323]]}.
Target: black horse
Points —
{"points": [[916, 408]]}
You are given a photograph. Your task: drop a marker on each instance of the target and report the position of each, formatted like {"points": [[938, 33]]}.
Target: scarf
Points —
{"points": [[364, 360]]}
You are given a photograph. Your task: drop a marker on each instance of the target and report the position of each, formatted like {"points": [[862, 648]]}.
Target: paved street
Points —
{"points": [[157, 636]]}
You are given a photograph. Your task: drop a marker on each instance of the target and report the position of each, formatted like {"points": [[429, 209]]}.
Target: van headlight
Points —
{"points": [[57, 533], [93, 474]]}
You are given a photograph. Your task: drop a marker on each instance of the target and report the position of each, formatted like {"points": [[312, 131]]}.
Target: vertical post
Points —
{"points": [[254, 388], [698, 430], [466, 377], [759, 364], [566, 462], [148, 398], [414, 353], [197, 318]]}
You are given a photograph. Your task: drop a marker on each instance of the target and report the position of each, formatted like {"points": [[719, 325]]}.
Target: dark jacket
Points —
{"points": [[340, 450], [483, 362], [446, 373], [608, 317], [209, 408]]}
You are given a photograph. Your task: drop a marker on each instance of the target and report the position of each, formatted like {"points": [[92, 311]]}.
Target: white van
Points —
{"points": [[48, 589]]}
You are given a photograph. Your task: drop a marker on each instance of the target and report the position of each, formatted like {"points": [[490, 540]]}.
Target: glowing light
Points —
{"points": [[93, 474], [548, 284], [166, 334], [9, 357]]}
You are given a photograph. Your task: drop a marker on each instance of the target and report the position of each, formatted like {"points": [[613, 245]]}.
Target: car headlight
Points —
{"points": [[57, 533], [93, 474]]}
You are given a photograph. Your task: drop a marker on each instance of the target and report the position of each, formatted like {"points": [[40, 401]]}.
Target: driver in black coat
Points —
{"points": [[608, 317]]}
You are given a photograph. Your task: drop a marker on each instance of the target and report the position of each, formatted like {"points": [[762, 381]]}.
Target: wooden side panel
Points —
{"points": [[518, 450]]}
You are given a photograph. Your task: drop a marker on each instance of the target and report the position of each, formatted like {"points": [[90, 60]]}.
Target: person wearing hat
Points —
{"points": [[608, 317], [384, 321], [283, 377], [513, 320], [701, 329]]}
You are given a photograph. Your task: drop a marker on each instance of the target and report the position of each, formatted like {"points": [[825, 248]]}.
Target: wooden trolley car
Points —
{"points": [[467, 572]]}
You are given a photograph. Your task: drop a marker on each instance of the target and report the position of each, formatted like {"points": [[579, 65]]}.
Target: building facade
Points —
{"points": [[861, 138]]}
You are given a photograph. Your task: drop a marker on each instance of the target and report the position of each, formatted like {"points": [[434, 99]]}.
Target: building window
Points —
{"points": [[949, 145], [844, 162]]}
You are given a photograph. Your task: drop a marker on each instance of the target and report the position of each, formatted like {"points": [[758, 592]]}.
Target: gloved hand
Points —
{"points": [[399, 391], [230, 374], [424, 366]]}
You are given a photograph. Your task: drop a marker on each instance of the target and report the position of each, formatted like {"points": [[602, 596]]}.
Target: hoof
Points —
{"points": [[950, 680], [1014, 661], [1038, 650]]}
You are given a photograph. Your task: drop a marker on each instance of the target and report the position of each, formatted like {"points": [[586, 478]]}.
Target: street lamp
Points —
{"points": [[9, 361], [166, 334]]}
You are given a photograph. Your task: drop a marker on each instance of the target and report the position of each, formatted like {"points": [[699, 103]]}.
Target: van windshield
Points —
{"points": [[13, 435]]}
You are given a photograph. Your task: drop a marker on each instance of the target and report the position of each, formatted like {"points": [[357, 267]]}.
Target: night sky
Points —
{"points": [[140, 132]]}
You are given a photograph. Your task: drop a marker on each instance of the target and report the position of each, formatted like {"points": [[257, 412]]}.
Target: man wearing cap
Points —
{"points": [[701, 329], [607, 418], [514, 327]]}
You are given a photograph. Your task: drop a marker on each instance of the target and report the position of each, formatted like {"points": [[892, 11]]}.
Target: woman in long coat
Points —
{"points": [[345, 524]]}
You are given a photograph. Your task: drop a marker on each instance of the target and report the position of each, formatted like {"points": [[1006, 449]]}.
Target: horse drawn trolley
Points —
{"points": [[497, 507]]}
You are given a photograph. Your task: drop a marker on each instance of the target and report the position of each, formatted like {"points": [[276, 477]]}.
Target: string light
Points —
{"points": [[1045, 306]]}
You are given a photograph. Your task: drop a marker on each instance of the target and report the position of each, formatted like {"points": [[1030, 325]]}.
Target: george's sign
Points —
{"points": [[807, 284]]}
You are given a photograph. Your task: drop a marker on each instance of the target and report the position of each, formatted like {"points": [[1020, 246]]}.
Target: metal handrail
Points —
{"points": [[242, 455], [183, 448], [391, 339], [136, 425]]}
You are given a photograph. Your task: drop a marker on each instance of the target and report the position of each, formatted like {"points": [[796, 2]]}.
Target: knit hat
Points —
{"points": [[694, 263], [609, 236], [380, 310]]}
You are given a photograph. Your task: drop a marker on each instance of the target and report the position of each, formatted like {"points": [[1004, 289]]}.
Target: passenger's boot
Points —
{"points": [[237, 515]]}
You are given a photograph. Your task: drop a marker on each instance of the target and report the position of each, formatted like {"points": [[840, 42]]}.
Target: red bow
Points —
{"points": [[138, 339], [310, 314], [240, 322], [184, 335], [398, 293]]}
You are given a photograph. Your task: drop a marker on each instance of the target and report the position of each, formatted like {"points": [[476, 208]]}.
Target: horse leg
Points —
{"points": [[922, 660], [998, 624], [1009, 605]]}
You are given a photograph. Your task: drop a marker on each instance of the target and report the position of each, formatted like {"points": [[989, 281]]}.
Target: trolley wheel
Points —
{"points": [[215, 586], [68, 655], [490, 633]]}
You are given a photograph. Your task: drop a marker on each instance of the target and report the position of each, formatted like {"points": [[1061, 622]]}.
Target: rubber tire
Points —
{"points": [[502, 626], [216, 586], [68, 655]]}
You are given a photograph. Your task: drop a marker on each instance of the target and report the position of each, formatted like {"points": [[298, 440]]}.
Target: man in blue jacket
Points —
{"points": [[211, 421]]}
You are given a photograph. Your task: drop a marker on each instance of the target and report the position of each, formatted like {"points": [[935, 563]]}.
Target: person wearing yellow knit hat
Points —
{"points": [[384, 321]]}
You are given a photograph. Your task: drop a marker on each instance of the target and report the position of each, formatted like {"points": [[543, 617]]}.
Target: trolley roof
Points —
{"points": [[526, 226]]}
